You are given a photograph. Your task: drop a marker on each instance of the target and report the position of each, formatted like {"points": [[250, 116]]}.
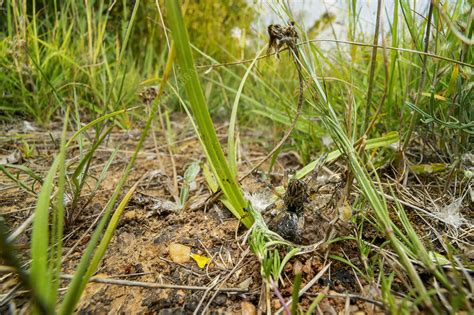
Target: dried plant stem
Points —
{"points": [[348, 42], [295, 120], [152, 285]]}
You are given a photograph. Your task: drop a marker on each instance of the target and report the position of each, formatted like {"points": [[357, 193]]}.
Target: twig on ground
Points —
{"points": [[7, 297], [214, 283], [244, 254], [21, 228], [151, 285]]}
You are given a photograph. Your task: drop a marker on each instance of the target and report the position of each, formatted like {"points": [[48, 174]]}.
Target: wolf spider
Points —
{"points": [[281, 35]]}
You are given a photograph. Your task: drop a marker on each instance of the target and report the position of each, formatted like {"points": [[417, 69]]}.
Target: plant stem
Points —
{"points": [[373, 63]]}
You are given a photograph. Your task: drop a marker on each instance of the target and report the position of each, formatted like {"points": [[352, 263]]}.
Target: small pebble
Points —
{"points": [[220, 300], [179, 253], [130, 215], [248, 308], [246, 283], [297, 267]]}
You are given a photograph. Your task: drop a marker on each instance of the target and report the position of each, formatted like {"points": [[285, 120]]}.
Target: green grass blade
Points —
{"points": [[17, 181], [385, 141], [58, 217], [11, 258], [211, 182], [330, 120], [101, 176], [315, 303], [295, 294], [215, 155], [42, 277], [96, 122], [231, 154], [109, 232]]}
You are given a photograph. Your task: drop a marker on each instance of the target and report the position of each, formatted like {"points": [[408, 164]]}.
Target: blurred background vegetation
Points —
{"points": [[55, 54], [73, 48]]}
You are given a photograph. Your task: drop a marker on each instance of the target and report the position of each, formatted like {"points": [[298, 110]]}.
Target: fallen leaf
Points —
{"points": [[201, 261], [438, 258], [246, 283]]}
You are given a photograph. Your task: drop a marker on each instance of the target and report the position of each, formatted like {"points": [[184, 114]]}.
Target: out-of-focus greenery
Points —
{"points": [[75, 49], [211, 25]]}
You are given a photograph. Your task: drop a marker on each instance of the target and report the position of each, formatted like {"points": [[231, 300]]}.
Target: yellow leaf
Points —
{"points": [[201, 261], [436, 96], [452, 82]]}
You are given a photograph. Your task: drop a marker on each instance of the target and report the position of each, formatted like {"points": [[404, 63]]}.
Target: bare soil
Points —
{"points": [[139, 249]]}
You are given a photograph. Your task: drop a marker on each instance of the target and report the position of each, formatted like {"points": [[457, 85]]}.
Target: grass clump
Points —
{"points": [[391, 108]]}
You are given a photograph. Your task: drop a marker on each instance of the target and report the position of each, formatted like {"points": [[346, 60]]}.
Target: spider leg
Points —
{"points": [[278, 48]]}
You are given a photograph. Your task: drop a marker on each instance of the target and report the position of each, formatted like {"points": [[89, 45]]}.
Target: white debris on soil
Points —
{"points": [[13, 158], [260, 200], [28, 126], [67, 199], [451, 214]]}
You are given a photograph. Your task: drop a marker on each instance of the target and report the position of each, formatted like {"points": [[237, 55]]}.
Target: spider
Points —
{"points": [[295, 196], [281, 35], [289, 223]]}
